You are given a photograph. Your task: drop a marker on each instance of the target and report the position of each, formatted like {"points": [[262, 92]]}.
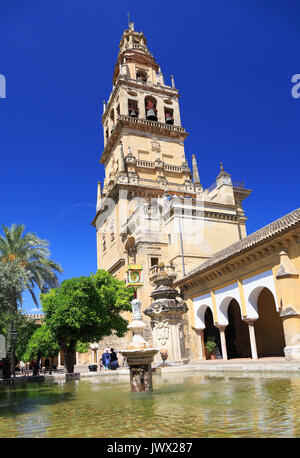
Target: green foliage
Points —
{"points": [[24, 264], [42, 343], [26, 329], [22, 324], [12, 280], [82, 347], [210, 345], [87, 308]]}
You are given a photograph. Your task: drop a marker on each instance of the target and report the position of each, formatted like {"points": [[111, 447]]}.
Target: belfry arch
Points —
{"points": [[236, 333], [268, 327], [210, 330]]}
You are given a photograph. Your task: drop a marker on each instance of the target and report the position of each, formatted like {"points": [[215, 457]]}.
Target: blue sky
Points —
{"points": [[232, 60]]}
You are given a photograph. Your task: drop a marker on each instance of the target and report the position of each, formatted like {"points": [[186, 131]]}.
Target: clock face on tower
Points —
{"points": [[134, 275]]}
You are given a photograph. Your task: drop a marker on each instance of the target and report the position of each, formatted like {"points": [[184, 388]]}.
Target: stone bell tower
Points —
{"points": [[150, 198]]}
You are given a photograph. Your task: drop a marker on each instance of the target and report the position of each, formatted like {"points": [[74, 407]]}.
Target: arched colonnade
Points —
{"points": [[243, 318]]}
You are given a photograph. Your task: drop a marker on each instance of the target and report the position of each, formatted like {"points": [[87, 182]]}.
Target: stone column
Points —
{"points": [[288, 286], [166, 315], [199, 332], [223, 342], [252, 339], [141, 105]]}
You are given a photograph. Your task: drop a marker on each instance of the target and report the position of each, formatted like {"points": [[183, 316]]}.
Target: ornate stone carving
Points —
{"points": [[155, 145], [162, 330], [166, 314]]}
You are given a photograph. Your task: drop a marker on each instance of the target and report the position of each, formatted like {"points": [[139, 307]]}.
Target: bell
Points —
{"points": [[151, 115], [169, 119], [133, 113]]}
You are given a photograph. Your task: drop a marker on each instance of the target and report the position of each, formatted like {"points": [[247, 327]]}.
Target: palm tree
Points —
{"points": [[31, 255]]}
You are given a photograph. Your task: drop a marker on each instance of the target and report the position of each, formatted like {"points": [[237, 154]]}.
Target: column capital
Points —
{"points": [[198, 330], [249, 320]]}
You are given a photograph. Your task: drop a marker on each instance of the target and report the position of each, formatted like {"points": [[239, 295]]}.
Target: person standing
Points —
{"points": [[26, 369], [106, 359], [114, 364], [22, 367]]}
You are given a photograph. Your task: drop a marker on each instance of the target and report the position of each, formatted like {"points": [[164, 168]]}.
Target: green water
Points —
{"points": [[181, 406]]}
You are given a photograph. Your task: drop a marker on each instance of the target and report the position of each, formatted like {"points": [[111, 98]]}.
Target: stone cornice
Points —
{"points": [[117, 265], [141, 125]]}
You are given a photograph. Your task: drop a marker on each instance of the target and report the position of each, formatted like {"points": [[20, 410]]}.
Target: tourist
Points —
{"points": [[106, 359], [22, 367], [100, 364], [114, 364], [26, 369]]}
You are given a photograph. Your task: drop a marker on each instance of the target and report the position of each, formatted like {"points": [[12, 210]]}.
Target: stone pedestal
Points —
{"points": [[139, 362], [166, 315], [138, 353]]}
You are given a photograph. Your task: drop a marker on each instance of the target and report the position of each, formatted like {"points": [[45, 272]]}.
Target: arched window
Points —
{"points": [[169, 116], [112, 117], [133, 110], [150, 106], [141, 75]]}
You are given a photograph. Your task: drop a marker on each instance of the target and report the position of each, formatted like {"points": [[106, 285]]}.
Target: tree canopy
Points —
{"points": [[86, 309], [24, 264], [42, 343]]}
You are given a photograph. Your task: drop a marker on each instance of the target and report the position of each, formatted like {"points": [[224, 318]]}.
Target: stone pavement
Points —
{"points": [[271, 364], [241, 365], [265, 366]]}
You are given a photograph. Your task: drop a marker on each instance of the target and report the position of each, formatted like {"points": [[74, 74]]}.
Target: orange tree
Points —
{"points": [[85, 309]]}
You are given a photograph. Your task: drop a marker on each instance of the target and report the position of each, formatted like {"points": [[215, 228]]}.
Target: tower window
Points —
{"points": [[169, 116], [112, 117], [151, 111], [133, 110], [154, 262], [141, 75]]}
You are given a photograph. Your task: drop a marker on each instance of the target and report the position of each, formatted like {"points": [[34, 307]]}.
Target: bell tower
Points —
{"points": [[143, 136], [150, 198]]}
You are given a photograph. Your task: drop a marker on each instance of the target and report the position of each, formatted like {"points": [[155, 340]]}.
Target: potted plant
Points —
{"points": [[210, 347]]}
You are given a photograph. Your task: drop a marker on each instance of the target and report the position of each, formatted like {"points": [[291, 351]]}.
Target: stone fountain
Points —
{"points": [[138, 353]]}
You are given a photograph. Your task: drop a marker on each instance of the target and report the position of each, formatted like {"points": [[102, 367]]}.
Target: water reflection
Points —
{"points": [[182, 405]]}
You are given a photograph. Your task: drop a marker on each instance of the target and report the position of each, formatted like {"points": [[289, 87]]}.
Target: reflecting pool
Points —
{"points": [[189, 405]]}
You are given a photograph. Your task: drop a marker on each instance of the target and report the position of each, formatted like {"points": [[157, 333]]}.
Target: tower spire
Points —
{"points": [[196, 178]]}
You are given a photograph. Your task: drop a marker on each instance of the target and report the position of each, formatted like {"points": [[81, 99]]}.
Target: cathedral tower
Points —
{"points": [[150, 199]]}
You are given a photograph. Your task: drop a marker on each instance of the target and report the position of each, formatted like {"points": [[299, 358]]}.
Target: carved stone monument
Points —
{"points": [[166, 313], [138, 353]]}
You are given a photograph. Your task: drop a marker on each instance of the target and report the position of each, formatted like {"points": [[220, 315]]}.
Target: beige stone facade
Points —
{"points": [[152, 207], [246, 296]]}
